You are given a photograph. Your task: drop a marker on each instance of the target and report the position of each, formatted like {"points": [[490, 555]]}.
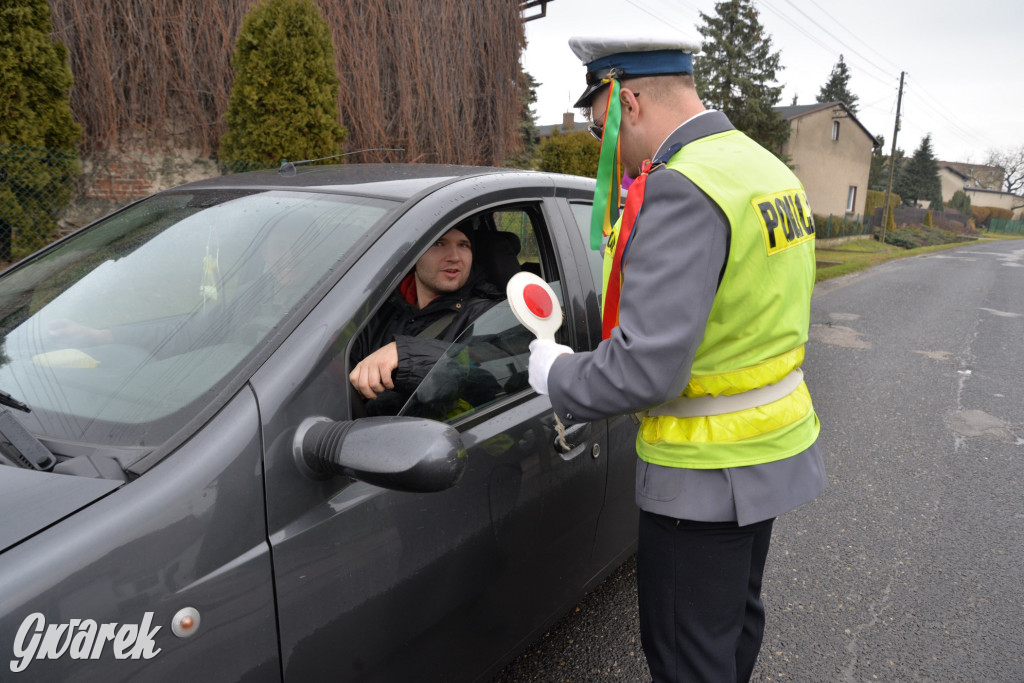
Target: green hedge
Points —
{"points": [[571, 153], [826, 227], [875, 199], [38, 136], [983, 215], [909, 237]]}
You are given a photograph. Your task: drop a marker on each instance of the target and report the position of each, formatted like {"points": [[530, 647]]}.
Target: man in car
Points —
{"points": [[437, 301], [706, 311]]}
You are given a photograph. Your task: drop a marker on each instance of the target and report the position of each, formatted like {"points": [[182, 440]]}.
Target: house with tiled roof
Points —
{"points": [[830, 151], [569, 125], [975, 175], [982, 184]]}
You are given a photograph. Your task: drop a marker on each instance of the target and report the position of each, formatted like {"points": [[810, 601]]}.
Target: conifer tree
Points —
{"points": [[960, 202], [38, 136], [918, 178], [878, 175], [735, 72], [528, 138], [837, 87], [284, 101]]}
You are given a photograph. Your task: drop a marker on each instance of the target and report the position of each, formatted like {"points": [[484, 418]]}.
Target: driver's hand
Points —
{"points": [[372, 374], [65, 332]]}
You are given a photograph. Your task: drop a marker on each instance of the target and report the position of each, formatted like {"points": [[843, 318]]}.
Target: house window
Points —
{"points": [[851, 199], [835, 130]]}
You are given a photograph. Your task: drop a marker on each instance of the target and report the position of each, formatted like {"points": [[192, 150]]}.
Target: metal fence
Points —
{"points": [[1003, 225], [46, 193]]}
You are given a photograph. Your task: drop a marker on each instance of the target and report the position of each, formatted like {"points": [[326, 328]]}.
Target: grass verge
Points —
{"points": [[857, 255]]}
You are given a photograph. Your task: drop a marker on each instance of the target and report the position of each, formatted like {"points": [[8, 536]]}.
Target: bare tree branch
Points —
{"points": [[1012, 163]]}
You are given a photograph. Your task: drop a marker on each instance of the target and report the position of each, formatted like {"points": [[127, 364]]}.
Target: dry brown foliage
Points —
{"points": [[436, 78]]}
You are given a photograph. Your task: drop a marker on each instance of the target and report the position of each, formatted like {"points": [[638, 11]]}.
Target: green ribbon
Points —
{"points": [[609, 172]]}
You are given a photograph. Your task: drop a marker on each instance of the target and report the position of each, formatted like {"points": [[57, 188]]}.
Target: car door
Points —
{"points": [[377, 584], [617, 527]]}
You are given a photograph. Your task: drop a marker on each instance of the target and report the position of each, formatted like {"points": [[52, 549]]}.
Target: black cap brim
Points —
{"points": [[585, 99]]}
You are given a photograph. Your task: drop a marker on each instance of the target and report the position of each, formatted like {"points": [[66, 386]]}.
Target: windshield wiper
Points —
{"points": [[8, 400], [19, 448]]}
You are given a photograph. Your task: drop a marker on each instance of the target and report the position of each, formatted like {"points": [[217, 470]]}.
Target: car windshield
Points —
{"points": [[116, 335]]}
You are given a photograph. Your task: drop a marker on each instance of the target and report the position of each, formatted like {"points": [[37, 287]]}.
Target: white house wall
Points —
{"points": [[827, 167]]}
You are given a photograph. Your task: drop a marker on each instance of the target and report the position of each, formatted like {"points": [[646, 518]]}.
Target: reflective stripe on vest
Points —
{"points": [[730, 427], [705, 406], [745, 379]]}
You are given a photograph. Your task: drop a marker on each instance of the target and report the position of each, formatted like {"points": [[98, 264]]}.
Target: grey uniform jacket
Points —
{"points": [[671, 274]]}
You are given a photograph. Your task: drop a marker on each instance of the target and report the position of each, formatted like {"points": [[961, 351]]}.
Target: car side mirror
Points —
{"points": [[399, 453]]}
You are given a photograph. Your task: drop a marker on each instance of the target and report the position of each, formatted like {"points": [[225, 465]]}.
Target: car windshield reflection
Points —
{"points": [[114, 334]]}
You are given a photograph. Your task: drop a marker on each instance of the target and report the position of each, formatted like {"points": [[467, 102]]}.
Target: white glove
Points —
{"points": [[543, 353]]}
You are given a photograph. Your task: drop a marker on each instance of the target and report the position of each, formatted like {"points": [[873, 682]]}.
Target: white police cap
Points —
{"points": [[626, 57]]}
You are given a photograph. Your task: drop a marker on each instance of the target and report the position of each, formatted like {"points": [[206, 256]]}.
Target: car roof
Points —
{"points": [[393, 181]]}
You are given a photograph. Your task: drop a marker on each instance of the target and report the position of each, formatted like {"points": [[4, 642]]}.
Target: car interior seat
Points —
{"points": [[496, 254]]}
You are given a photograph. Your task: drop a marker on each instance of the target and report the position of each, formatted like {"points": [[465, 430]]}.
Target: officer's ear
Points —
{"points": [[630, 104]]}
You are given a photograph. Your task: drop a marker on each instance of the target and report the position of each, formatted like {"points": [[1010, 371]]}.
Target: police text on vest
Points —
{"points": [[785, 218]]}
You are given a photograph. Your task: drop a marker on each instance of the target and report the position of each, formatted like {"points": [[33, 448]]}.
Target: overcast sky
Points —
{"points": [[964, 60]]}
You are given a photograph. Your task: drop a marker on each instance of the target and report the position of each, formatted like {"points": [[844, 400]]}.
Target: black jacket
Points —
{"points": [[401, 322]]}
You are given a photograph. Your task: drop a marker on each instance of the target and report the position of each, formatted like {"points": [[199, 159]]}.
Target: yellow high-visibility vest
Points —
{"points": [[745, 403]]}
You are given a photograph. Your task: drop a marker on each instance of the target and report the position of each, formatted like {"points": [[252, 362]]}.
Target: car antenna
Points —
{"points": [[288, 167]]}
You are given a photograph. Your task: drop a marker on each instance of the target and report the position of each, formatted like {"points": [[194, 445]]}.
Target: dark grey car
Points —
{"points": [[195, 492]]}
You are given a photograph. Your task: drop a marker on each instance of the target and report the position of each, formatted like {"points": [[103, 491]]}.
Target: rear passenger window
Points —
{"points": [[519, 223], [581, 212]]}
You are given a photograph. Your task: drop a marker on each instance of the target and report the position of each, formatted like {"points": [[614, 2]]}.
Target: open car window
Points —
{"points": [[484, 365]]}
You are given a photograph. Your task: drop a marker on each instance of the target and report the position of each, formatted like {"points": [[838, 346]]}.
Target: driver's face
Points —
{"points": [[445, 267]]}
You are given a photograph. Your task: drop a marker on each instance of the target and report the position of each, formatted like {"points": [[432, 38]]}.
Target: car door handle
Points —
{"points": [[576, 439]]}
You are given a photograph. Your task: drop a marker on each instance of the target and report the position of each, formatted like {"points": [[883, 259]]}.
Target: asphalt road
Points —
{"points": [[911, 566]]}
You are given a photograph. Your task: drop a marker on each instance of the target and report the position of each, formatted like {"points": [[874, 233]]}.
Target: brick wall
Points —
{"points": [[120, 181]]}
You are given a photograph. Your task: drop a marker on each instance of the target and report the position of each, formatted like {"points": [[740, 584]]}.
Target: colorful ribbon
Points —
{"points": [[613, 289], [609, 171]]}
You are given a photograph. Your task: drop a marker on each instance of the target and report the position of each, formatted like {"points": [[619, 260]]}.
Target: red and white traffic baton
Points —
{"points": [[535, 306]]}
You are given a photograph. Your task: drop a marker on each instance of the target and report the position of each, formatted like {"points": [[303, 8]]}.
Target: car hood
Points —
{"points": [[30, 500]]}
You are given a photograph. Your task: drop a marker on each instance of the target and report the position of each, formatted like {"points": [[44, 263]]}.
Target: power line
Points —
{"points": [[690, 6], [888, 97], [661, 19], [943, 111], [965, 135], [893, 66], [810, 19], [813, 38]]}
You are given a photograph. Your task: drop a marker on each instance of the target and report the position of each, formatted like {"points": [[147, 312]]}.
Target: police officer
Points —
{"points": [[708, 280]]}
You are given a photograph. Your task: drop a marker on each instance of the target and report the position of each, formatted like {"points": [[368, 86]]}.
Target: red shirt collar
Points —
{"points": [[407, 288]]}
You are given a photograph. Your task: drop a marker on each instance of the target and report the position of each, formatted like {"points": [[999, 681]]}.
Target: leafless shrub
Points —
{"points": [[437, 78]]}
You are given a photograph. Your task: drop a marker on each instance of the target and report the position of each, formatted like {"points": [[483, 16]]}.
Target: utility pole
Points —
{"points": [[892, 159]]}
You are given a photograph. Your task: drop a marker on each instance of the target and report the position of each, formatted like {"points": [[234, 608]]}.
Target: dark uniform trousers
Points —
{"points": [[699, 583]]}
